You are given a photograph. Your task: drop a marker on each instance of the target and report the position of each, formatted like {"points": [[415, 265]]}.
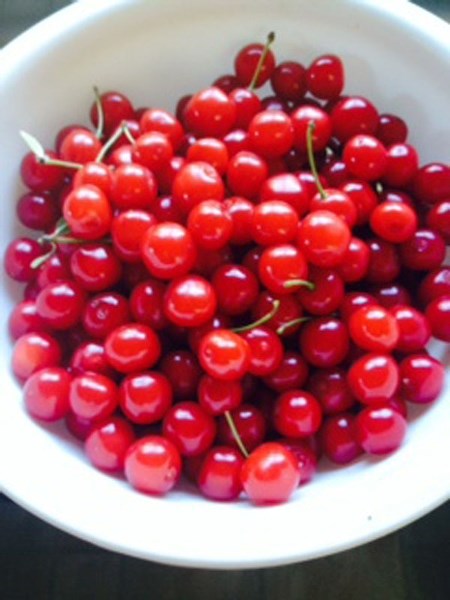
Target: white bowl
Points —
{"points": [[396, 54]]}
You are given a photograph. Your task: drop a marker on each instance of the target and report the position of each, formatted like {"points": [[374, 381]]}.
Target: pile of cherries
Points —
{"points": [[235, 290]]}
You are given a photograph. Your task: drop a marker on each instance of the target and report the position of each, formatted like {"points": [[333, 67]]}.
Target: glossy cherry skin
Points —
{"points": [[219, 474], [438, 316], [90, 357], [338, 439], [39, 177], [107, 444], [324, 342], [246, 62], [168, 250], [374, 378], [95, 267], [183, 372], [145, 397], [374, 329], [292, 373], [24, 319], [266, 350], [236, 288], [209, 113], [217, 396], [325, 77], [132, 347], [324, 238], [250, 424], [246, 174], [297, 414], [88, 212], [19, 257], [330, 388], [153, 465], [190, 428], [327, 294], [281, 264], [414, 328], [271, 133], [104, 312], [33, 351], [61, 304], [93, 396], [274, 222], [270, 474], [195, 182], [380, 429], [224, 354], [46, 393], [210, 224], [190, 301], [421, 378]]}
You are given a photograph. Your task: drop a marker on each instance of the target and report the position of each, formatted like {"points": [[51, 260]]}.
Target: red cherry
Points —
{"points": [[194, 183], [219, 474], [324, 238], [421, 378], [190, 428], [217, 396], [190, 301], [297, 414], [132, 347], [224, 354], [325, 77], [168, 250], [145, 397], [93, 396], [46, 393], [324, 342], [338, 439], [107, 444], [374, 378], [270, 474], [380, 429], [33, 351], [209, 113], [88, 212], [246, 63]]}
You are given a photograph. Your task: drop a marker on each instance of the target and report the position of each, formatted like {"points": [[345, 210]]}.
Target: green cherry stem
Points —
{"points": [[121, 130], [100, 114], [312, 159], [38, 150], [283, 328], [262, 58], [295, 283], [262, 321], [235, 432], [40, 260]]}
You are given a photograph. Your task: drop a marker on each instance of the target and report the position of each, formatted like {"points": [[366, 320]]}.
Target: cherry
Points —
{"points": [[324, 238], [209, 150], [431, 183], [324, 342], [39, 176], [271, 133], [438, 219], [168, 250], [38, 211], [145, 397], [133, 186], [227, 83], [435, 284], [127, 231], [355, 264], [190, 428], [236, 141], [330, 388], [302, 119], [155, 119], [286, 319], [352, 116], [249, 423], [414, 328], [297, 414], [274, 222], [374, 378], [391, 129], [421, 378], [183, 371], [93, 396], [153, 465], [402, 165], [219, 474], [394, 221], [24, 318], [107, 443], [61, 304], [325, 77], [288, 81], [153, 150], [95, 267], [209, 113], [210, 224], [438, 316], [33, 351], [292, 373], [255, 59], [94, 173], [46, 393], [270, 474], [217, 396], [281, 265], [236, 288], [80, 146], [247, 103], [365, 157], [287, 188], [327, 292], [132, 347], [195, 182], [423, 251], [338, 439], [90, 357], [104, 312], [240, 212], [266, 350], [88, 212], [246, 174], [19, 257], [374, 329], [114, 107], [190, 301], [384, 262], [380, 429], [224, 354]]}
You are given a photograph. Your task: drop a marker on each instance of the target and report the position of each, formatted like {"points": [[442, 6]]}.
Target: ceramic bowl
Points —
{"points": [[397, 55]]}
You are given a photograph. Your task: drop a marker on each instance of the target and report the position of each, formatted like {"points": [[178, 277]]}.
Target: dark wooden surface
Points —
{"points": [[39, 562]]}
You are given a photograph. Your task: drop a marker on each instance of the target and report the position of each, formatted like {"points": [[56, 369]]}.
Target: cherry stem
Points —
{"points": [[40, 260], [100, 114], [262, 321], [235, 432], [38, 150], [299, 283], [312, 159], [121, 130], [262, 58], [283, 328]]}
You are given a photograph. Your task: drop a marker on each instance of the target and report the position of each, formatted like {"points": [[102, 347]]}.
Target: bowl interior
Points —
{"points": [[395, 54]]}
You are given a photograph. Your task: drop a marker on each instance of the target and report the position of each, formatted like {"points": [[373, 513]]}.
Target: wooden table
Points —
{"points": [[38, 562]]}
